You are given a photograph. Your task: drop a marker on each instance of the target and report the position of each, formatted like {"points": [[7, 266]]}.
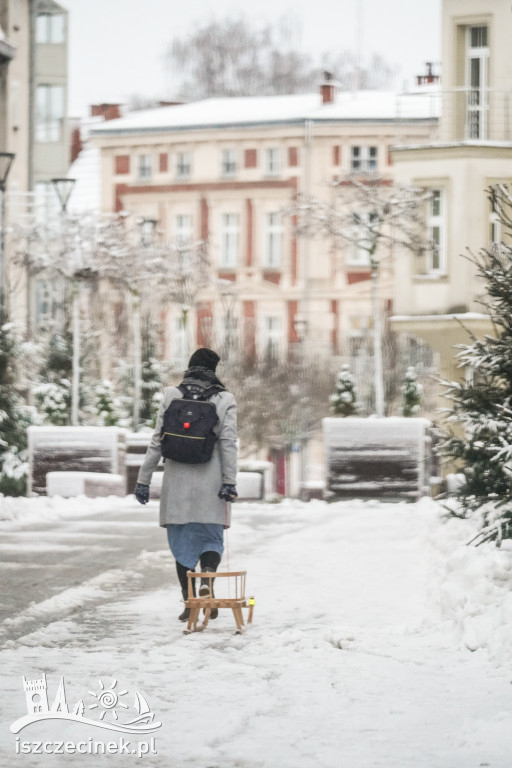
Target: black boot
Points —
{"points": [[185, 614], [182, 576], [204, 590]]}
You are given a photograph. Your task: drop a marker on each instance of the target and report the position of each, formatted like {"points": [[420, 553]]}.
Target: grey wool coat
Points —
{"points": [[189, 491]]}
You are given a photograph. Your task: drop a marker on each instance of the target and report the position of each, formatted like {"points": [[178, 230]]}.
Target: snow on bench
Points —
{"points": [[74, 449], [377, 457], [90, 484]]}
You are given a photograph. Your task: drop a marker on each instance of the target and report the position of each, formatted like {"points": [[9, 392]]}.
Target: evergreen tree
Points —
{"points": [[412, 392], [53, 393], [481, 405], [107, 405], [14, 416], [153, 372], [344, 401]]}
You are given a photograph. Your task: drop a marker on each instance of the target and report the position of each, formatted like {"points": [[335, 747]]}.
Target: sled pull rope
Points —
{"points": [[226, 520]]}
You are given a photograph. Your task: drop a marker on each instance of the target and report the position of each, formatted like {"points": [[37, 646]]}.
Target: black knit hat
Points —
{"points": [[204, 358]]}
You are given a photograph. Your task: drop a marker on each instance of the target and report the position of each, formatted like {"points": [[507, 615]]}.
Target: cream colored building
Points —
{"points": [[436, 297], [33, 120], [224, 169]]}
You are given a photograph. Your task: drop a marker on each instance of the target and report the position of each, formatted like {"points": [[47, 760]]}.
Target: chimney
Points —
{"points": [[76, 144], [107, 111], [429, 77], [328, 88]]}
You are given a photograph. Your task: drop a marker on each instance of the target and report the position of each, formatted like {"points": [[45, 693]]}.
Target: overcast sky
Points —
{"points": [[117, 47]]}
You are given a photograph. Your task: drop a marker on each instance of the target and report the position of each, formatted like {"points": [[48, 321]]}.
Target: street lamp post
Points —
{"points": [[63, 189], [300, 324], [377, 339], [6, 159]]}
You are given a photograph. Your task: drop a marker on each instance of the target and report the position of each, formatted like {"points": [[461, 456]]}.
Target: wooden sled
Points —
{"points": [[236, 600]]}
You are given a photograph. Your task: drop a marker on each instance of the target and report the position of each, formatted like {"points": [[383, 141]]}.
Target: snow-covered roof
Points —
{"points": [[271, 110]]}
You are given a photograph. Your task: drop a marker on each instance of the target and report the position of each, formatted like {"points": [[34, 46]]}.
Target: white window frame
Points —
{"points": [[179, 342], [477, 109], [363, 158], [273, 234], [49, 112], [183, 228], [183, 165], [229, 163], [229, 240], [358, 255], [436, 228], [271, 336], [144, 167], [47, 301], [272, 161], [50, 28]]}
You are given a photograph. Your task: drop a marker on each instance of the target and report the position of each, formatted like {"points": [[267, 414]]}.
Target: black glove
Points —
{"points": [[142, 493], [227, 492]]}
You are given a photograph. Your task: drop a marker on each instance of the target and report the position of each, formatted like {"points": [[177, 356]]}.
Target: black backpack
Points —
{"points": [[187, 432]]}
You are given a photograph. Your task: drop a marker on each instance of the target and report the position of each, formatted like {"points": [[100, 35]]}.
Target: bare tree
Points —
{"points": [[368, 213], [232, 57]]}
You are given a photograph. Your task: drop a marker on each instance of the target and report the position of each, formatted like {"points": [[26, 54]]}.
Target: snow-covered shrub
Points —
{"points": [[108, 407], [344, 401], [54, 401], [15, 417], [411, 392]]}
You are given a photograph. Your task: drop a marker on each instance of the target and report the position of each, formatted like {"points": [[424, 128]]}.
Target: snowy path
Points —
{"points": [[349, 663]]}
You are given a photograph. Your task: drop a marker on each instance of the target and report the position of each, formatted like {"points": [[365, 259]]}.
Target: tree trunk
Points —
{"points": [[137, 362], [75, 388]]}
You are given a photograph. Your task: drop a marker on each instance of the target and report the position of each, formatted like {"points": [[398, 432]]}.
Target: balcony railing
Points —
{"points": [[464, 114]]}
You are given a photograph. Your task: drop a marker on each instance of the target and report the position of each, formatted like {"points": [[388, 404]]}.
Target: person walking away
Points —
{"points": [[195, 502]]}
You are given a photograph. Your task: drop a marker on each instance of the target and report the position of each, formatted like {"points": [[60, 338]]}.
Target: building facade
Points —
{"points": [[225, 170], [33, 120], [436, 297]]}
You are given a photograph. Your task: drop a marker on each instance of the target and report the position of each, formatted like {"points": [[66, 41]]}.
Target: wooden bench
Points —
{"points": [[235, 599]]}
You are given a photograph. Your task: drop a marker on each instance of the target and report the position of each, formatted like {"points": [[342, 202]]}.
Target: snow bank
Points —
{"points": [[22, 509], [475, 590]]}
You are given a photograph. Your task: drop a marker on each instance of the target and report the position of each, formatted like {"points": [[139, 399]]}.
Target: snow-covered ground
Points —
{"points": [[379, 639]]}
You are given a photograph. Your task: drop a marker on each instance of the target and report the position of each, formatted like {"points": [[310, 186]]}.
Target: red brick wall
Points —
{"points": [[293, 308], [163, 162], [251, 158], [204, 218], [249, 230], [122, 164]]}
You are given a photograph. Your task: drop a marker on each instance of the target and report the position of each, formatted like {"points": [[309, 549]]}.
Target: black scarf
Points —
{"points": [[203, 374]]}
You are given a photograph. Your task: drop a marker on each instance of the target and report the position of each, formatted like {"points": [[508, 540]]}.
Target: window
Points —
{"points": [[436, 264], [48, 295], [271, 336], [273, 241], [183, 229], [228, 162], [49, 112], [46, 202], [477, 80], [272, 162], [183, 165], [359, 253], [229, 239], [144, 167], [50, 28], [363, 159]]}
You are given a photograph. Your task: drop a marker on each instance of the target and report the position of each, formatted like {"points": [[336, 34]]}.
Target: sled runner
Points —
{"points": [[236, 600]]}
